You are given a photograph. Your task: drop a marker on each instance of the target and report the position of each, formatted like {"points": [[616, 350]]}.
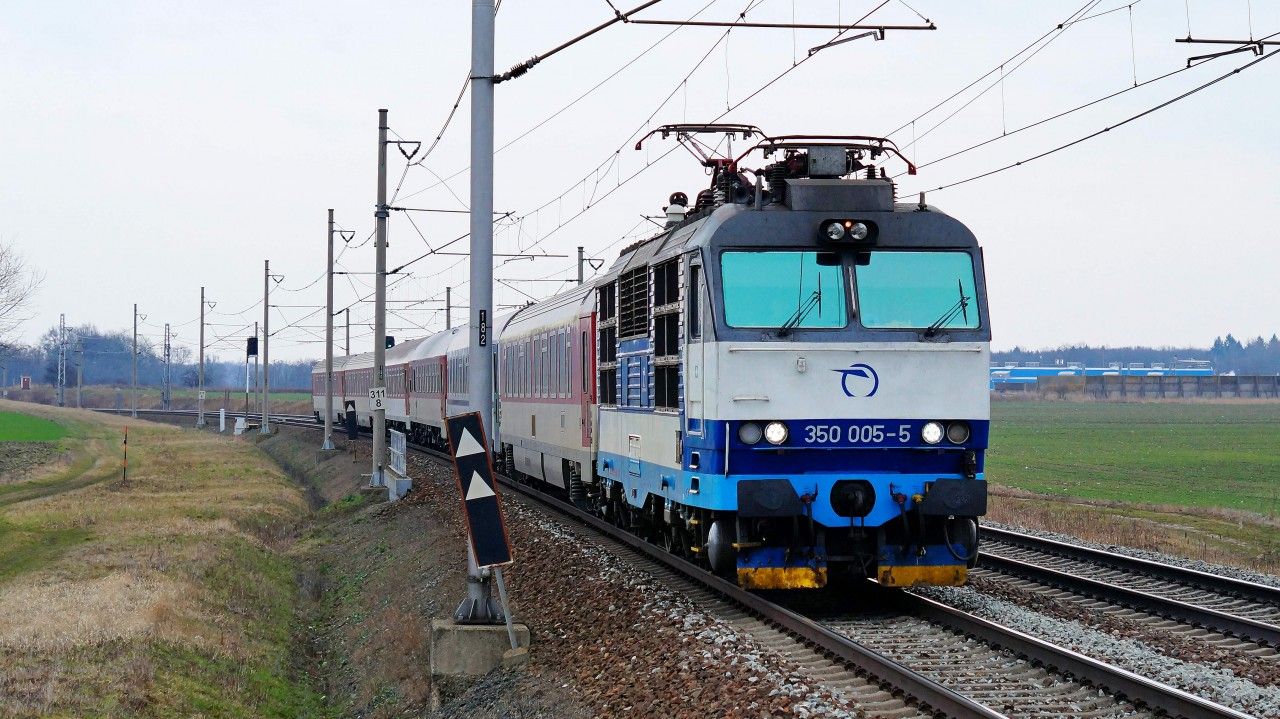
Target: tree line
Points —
{"points": [[107, 361], [1257, 356]]}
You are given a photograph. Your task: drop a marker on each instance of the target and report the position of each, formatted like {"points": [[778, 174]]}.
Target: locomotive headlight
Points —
{"points": [[775, 432], [858, 231], [834, 231], [931, 432], [749, 433], [958, 432]]}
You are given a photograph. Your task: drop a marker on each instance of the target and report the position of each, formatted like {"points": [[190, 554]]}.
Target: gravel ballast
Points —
{"points": [[1202, 679]]}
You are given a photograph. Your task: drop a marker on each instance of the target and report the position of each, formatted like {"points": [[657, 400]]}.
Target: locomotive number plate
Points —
{"points": [[856, 434]]}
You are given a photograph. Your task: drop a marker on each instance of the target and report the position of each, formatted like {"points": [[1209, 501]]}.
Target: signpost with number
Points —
{"points": [[377, 398]]}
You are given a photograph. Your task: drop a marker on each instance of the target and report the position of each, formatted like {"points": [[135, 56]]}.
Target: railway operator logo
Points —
{"points": [[859, 380]]}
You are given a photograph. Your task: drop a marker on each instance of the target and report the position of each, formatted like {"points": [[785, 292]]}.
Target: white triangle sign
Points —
{"points": [[468, 446], [478, 489]]}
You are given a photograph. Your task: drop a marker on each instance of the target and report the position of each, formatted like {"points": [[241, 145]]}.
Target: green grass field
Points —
{"points": [[16, 427], [1220, 456]]}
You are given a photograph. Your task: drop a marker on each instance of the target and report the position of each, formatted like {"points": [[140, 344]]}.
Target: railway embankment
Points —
{"points": [[607, 639], [166, 591], [245, 577]]}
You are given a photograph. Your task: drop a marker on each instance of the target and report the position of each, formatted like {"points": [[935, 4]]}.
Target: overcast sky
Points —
{"points": [[150, 148]]}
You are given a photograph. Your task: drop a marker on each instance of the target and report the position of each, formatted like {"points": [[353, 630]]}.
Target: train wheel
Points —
{"points": [[720, 552]]}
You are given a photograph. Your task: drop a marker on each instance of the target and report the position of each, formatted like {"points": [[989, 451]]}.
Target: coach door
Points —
{"points": [[694, 353], [586, 361], [407, 383], [443, 374]]}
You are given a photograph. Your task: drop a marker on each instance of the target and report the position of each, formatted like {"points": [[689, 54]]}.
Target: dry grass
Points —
{"points": [[164, 593], [49, 614]]}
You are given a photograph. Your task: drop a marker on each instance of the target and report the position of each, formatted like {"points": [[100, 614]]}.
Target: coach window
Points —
{"points": [[568, 361], [546, 364], [554, 387], [564, 361]]}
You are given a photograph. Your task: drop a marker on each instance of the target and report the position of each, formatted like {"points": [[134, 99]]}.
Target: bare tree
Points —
{"points": [[18, 284]]}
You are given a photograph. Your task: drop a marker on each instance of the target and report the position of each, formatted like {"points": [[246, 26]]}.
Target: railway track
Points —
{"points": [[945, 660], [1227, 607]]}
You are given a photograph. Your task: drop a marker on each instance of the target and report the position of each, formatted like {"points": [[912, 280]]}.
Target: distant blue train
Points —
{"points": [[1007, 376]]}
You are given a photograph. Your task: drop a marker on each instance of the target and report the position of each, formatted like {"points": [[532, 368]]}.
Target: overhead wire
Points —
{"points": [[1122, 123], [613, 156], [564, 108], [1057, 29], [1062, 28], [1064, 113], [788, 70]]}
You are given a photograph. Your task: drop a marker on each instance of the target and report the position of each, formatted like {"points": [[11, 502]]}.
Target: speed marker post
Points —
{"points": [[488, 545], [482, 510]]}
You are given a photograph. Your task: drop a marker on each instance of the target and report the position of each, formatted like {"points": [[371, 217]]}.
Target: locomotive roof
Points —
{"points": [[809, 202]]}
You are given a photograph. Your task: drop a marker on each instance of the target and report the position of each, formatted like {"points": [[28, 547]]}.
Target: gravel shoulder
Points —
{"points": [[1247, 575]]}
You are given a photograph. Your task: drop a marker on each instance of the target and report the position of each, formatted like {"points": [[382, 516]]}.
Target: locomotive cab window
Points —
{"points": [[783, 289], [916, 290]]}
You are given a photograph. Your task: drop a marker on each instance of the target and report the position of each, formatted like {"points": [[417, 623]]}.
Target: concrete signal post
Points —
{"points": [[476, 608], [327, 444], [266, 348], [134, 401], [200, 379], [378, 389]]}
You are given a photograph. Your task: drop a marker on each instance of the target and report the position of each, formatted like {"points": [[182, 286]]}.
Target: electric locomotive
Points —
{"points": [[788, 383]]}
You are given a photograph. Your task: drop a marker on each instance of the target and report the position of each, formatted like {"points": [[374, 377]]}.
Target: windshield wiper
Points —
{"points": [[959, 308], [803, 310]]}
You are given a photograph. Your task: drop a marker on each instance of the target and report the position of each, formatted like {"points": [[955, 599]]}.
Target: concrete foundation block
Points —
{"points": [[472, 650], [326, 454], [397, 487]]}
